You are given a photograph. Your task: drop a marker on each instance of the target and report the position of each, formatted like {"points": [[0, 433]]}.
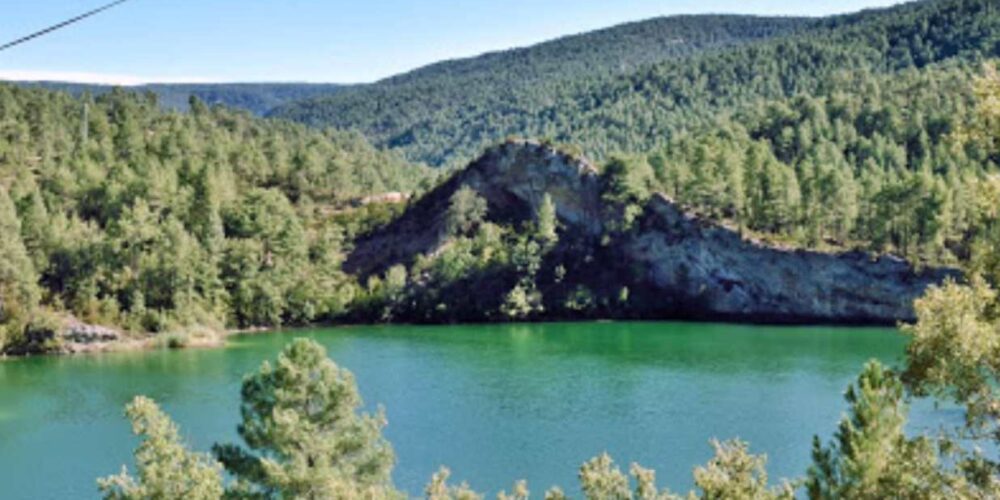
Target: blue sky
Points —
{"points": [[315, 40]]}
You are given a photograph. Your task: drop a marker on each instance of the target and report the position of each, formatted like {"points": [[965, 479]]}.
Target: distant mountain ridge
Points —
{"points": [[625, 89], [616, 49], [616, 90], [410, 110], [613, 50], [258, 98]]}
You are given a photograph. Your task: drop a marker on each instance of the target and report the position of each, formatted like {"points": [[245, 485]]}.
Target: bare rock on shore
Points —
{"points": [[78, 332], [714, 273]]}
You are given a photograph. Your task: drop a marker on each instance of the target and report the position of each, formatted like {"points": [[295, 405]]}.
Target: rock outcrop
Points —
{"points": [[78, 333], [513, 178], [714, 273], [674, 263], [67, 335]]}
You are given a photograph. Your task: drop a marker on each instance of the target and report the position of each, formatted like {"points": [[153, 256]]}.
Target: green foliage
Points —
{"points": [[446, 113], [303, 433], [466, 211], [265, 257], [849, 132], [19, 293], [440, 284], [733, 473], [843, 132], [165, 466], [124, 214], [987, 125], [518, 492], [257, 98], [548, 223], [524, 299], [439, 489], [871, 457], [600, 479], [521, 303], [628, 184], [955, 351], [631, 88]]}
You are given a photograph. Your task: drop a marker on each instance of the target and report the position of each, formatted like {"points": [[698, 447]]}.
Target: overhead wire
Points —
{"points": [[61, 25]]}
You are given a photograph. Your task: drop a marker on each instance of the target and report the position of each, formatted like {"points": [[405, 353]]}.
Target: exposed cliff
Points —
{"points": [[713, 272], [672, 264], [513, 178]]}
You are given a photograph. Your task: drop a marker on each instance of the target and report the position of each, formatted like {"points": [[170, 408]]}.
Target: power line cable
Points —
{"points": [[63, 24]]}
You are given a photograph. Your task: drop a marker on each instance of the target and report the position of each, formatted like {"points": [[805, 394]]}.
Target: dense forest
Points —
{"points": [[123, 214], [445, 114], [853, 132], [883, 165], [304, 435], [878, 131], [842, 133], [877, 162]]}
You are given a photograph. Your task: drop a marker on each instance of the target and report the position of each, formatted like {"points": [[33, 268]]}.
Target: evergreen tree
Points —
{"points": [[733, 473], [466, 211], [166, 468], [871, 456], [547, 222], [19, 293], [439, 489], [304, 436]]}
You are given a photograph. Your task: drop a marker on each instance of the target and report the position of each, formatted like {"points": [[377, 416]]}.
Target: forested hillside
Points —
{"points": [[441, 115], [257, 98], [446, 112], [846, 133], [122, 214], [851, 133]]}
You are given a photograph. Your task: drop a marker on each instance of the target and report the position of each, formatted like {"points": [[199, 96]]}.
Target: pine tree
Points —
{"points": [[547, 222], [19, 293], [466, 211], [733, 473], [871, 457], [303, 434], [166, 468]]}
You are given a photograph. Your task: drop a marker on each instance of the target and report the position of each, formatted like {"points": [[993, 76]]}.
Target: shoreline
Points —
{"points": [[202, 337]]}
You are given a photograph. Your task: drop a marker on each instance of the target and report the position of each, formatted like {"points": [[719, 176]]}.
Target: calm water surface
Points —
{"points": [[495, 403]]}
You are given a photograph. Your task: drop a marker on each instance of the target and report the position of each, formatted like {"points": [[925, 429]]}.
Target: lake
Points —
{"points": [[493, 402]]}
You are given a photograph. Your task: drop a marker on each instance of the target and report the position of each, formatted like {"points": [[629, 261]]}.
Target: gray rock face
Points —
{"points": [[69, 335], [714, 271], [82, 333], [686, 266], [514, 178]]}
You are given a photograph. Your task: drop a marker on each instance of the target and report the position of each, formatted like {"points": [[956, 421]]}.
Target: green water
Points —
{"points": [[495, 403]]}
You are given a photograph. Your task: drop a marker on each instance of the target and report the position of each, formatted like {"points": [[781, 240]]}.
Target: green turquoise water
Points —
{"points": [[495, 403]]}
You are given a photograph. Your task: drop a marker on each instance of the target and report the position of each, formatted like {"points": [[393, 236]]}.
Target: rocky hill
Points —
{"points": [[672, 263]]}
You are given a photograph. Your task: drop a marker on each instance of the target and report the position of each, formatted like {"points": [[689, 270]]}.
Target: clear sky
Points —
{"points": [[315, 40]]}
